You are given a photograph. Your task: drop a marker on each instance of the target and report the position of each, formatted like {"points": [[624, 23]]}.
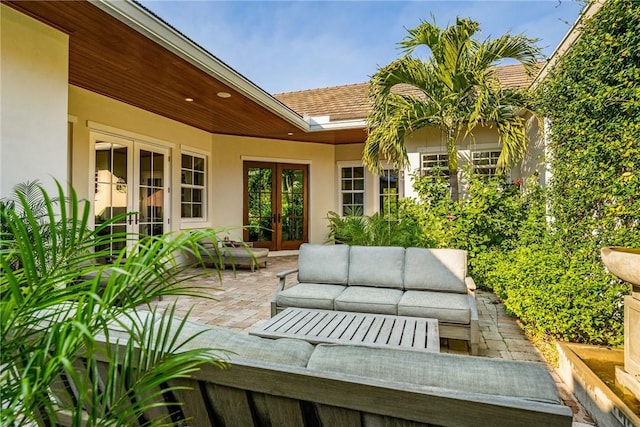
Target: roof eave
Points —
{"points": [[339, 125], [139, 19]]}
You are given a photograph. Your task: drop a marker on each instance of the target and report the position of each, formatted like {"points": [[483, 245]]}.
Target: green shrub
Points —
{"points": [[559, 297], [375, 230]]}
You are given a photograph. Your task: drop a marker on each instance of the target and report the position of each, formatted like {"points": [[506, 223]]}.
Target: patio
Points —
{"points": [[243, 297]]}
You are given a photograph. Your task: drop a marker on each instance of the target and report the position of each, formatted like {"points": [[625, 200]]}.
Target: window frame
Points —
{"points": [[493, 155], [341, 191], [442, 158], [205, 187]]}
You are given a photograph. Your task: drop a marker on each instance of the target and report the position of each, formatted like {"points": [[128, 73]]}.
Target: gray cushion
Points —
{"points": [[249, 347], [369, 300], [451, 308], [435, 269], [376, 266], [472, 374], [310, 295], [230, 345], [323, 264]]}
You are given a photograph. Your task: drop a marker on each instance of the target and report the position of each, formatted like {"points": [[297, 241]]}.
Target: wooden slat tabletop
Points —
{"points": [[339, 327]]}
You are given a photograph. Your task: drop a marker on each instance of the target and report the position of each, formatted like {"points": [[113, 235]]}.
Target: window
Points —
{"points": [[352, 190], [435, 164], [389, 193], [485, 162], [193, 186]]}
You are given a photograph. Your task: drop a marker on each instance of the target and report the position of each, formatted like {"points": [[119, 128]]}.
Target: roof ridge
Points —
{"points": [[321, 88], [302, 91]]}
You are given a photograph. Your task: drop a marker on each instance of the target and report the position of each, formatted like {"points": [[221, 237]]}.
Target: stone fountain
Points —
{"points": [[625, 263], [607, 380]]}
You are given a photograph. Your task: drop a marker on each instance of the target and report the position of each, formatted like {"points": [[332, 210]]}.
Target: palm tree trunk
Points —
{"points": [[453, 184], [452, 153]]}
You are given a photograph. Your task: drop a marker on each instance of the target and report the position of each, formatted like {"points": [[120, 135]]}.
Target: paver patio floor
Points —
{"points": [[242, 301]]}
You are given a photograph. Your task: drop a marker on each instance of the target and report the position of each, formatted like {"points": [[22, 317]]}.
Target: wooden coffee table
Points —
{"points": [[341, 327]]}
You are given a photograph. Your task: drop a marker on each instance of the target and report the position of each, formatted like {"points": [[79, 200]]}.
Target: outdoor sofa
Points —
{"points": [[290, 382], [417, 282]]}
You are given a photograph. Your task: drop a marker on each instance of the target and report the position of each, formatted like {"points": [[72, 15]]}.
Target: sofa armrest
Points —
{"points": [[282, 281], [282, 278], [471, 285]]}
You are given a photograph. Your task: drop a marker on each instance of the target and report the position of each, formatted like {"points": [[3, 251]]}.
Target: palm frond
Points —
{"points": [[55, 297], [456, 90]]}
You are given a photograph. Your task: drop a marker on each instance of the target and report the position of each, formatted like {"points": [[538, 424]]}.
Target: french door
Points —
{"points": [[131, 177], [275, 204]]}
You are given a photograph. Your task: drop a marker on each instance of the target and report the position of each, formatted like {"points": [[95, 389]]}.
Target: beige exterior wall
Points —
{"points": [[99, 115], [351, 155], [33, 110], [430, 141], [533, 162], [229, 152]]}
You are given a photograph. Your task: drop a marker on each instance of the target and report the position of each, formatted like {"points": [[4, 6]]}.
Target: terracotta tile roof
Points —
{"points": [[351, 102]]}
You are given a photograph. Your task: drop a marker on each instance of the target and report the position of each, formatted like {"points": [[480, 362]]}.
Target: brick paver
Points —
{"points": [[241, 300]]}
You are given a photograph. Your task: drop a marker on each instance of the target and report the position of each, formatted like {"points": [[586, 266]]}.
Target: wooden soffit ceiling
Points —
{"points": [[108, 57]]}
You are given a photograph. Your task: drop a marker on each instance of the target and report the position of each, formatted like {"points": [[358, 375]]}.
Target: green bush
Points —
{"points": [[555, 296], [592, 99], [539, 250], [375, 230]]}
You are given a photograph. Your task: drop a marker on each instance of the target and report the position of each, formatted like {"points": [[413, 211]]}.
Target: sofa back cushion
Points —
{"points": [[378, 266], [509, 378], [226, 344], [323, 264], [442, 270]]}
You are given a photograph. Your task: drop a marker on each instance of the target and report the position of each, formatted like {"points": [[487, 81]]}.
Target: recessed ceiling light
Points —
{"points": [[224, 94], [189, 99], [290, 133]]}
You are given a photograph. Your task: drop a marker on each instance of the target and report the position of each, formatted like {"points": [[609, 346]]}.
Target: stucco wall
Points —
{"points": [[351, 155], [226, 154], [229, 152], [33, 110]]}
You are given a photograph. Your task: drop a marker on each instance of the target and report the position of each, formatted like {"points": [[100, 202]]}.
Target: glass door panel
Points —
{"points": [[112, 190], [130, 178], [259, 204], [292, 207], [151, 193], [275, 205]]}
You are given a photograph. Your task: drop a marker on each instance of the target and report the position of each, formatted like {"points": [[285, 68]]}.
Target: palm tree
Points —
{"points": [[55, 300], [455, 90]]}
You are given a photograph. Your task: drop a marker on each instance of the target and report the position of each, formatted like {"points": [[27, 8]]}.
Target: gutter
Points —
{"points": [[569, 39], [145, 22]]}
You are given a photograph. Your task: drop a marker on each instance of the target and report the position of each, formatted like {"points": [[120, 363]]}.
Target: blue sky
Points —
{"points": [[286, 46]]}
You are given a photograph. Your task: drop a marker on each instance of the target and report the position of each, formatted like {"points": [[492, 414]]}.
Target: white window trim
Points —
{"points": [[350, 164], [435, 153], [491, 166], [187, 223]]}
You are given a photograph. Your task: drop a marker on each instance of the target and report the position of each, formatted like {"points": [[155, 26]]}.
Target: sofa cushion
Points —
{"points": [[435, 269], [229, 345], [376, 266], [369, 300], [323, 264], [446, 307], [526, 380], [310, 295]]}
